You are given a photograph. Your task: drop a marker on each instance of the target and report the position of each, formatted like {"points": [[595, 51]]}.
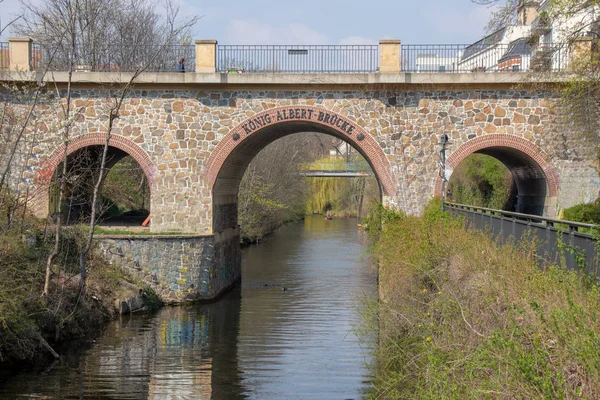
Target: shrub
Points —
{"points": [[463, 317], [588, 213], [482, 180]]}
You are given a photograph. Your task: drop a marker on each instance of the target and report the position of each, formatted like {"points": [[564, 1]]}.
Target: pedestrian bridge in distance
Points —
{"points": [[336, 170], [195, 133]]}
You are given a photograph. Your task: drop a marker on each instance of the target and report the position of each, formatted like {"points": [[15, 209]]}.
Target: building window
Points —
{"points": [[547, 40]]}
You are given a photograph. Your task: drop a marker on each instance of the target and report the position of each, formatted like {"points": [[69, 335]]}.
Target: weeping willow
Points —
{"points": [[325, 194], [341, 195]]}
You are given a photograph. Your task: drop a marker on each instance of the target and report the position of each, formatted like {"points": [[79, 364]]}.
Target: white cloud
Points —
{"points": [[357, 40], [251, 31], [463, 26], [206, 16]]}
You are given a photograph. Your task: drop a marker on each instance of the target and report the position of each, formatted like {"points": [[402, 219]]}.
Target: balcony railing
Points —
{"points": [[297, 59], [518, 56]]}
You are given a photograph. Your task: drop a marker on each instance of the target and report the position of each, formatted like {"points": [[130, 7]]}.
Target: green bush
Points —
{"points": [[151, 299], [377, 218], [587, 213], [481, 180]]}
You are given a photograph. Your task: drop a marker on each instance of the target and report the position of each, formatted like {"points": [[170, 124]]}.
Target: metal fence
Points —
{"points": [[514, 57], [479, 57], [36, 56], [114, 58], [572, 244], [297, 59], [4, 56]]}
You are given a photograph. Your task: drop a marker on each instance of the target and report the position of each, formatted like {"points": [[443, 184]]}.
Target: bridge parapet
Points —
{"points": [[388, 57]]}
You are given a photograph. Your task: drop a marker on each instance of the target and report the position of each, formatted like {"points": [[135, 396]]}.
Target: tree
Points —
{"points": [[504, 14], [574, 29], [78, 32], [19, 123], [269, 196], [114, 35]]}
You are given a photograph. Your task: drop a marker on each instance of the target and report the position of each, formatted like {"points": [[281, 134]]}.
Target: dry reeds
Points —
{"points": [[463, 317]]}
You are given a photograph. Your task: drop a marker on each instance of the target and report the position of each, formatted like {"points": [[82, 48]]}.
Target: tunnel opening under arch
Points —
{"points": [[228, 173], [124, 191], [533, 179]]}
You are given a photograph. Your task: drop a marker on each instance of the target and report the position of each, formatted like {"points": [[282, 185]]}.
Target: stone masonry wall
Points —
{"points": [[178, 268], [178, 130]]}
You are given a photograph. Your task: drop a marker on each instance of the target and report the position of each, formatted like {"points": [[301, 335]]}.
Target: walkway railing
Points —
{"points": [[4, 56], [338, 166], [115, 58], [206, 56], [573, 244], [297, 59], [337, 169]]}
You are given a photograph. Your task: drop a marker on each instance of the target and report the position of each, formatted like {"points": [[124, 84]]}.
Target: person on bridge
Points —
{"points": [[181, 65]]}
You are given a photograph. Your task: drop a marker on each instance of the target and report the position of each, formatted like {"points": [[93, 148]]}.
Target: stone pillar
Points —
{"points": [[389, 56], [206, 56], [527, 11], [580, 52], [19, 49]]}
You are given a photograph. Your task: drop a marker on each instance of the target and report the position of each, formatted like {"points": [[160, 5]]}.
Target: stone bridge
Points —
{"points": [[194, 134]]}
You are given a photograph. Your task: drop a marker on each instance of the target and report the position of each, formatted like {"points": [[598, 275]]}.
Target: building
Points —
{"points": [[433, 62], [485, 54], [538, 41]]}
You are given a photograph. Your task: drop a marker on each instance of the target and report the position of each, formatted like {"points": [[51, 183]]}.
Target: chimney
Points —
{"points": [[527, 11]]}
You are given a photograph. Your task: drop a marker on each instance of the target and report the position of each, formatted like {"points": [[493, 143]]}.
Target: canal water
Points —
{"points": [[285, 333]]}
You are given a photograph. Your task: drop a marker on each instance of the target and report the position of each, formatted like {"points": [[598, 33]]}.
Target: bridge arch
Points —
{"points": [[229, 160], [117, 144], [535, 177]]}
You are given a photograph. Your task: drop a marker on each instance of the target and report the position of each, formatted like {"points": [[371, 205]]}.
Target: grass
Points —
{"points": [[461, 317], [25, 316]]}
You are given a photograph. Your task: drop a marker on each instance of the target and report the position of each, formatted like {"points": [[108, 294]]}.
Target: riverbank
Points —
{"points": [[31, 325], [258, 341], [463, 317]]}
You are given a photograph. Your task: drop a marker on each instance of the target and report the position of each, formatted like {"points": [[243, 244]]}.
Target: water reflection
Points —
{"points": [[259, 341], [298, 342]]}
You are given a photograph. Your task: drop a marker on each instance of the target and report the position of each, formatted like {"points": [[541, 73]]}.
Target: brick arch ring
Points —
{"points": [[504, 140], [49, 165], [320, 117]]}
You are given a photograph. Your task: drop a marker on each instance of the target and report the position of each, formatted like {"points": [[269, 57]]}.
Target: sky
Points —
{"points": [[326, 21]]}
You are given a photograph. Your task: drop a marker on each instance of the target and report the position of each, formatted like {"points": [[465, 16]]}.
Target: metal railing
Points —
{"points": [[36, 56], [338, 166], [568, 243], [336, 169], [479, 57], [4, 56], [115, 58], [518, 56], [297, 59]]}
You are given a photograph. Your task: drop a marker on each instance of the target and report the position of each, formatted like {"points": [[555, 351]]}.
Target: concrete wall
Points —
{"points": [[178, 268]]}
